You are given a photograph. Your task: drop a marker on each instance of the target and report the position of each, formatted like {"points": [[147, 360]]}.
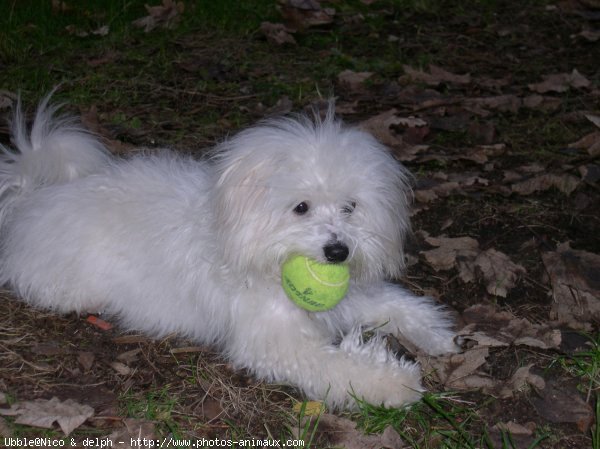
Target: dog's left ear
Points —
{"points": [[384, 208], [390, 218], [395, 205]]}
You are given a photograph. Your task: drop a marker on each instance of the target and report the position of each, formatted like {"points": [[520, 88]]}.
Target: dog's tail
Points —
{"points": [[55, 150]]}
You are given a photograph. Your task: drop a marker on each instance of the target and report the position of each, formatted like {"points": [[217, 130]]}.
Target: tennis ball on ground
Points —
{"points": [[312, 285]]}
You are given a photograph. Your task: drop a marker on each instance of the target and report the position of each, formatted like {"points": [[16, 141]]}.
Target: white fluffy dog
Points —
{"points": [[171, 244]]}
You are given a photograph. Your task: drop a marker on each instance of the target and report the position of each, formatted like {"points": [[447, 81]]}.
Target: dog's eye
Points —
{"points": [[301, 208], [349, 208]]}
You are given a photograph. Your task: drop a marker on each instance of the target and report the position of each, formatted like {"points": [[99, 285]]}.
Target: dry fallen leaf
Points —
{"points": [[121, 368], [481, 153], [440, 184], [165, 16], [444, 256], [560, 402], [514, 428], [521, 436], [505, 103], [345, 107], [59, 6], [277, 33], [5, 430], [574, 275], [466, 179], [352, 80], [497, 269], [44, 412], [458, 371], [283, 106], [412, 122], [302, 14], [86, 359], [107, 58], [102, 31], [428, 190], [462, 372], [488, 326], [561, 82], [342, 432], [565, 182], [129, 356], [590, 35], [380, 126], [521, 379], [532, 168], [422, 99], [134, 430], [211, 409], [590, 173], [436, 76], [590, 142], [595, 119], [541, 102]]}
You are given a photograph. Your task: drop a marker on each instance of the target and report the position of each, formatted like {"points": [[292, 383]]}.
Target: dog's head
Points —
{"points": [[316, 188]]}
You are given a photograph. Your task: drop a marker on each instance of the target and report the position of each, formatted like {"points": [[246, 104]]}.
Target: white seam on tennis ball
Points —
{"points": [[316, 278]]}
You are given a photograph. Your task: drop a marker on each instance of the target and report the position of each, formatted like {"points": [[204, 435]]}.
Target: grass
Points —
{"points": [[585, 366], [154, 405], [307, 422], [39, 51], [439, 420], [436, 420], [36, 31]]}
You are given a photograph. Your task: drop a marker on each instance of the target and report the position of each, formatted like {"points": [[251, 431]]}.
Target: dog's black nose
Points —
{"points": [[336, 252]]}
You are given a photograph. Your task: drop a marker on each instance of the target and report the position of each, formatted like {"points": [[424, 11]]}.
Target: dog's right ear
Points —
{"points": [[239, 196]]}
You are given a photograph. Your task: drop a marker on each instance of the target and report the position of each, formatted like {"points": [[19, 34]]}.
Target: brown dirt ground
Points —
{"points": [[188, 390]]}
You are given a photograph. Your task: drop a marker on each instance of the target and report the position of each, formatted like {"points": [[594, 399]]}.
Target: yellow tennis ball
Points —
{"points": [[312, 285]]}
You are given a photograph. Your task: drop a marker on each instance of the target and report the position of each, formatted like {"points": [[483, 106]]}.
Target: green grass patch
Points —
{"points": [[42, 45], [437, 421], [585, 366], [156, 406]]}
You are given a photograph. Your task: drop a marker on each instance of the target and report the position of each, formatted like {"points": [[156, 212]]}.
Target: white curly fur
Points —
{"points": [[171, 244]]}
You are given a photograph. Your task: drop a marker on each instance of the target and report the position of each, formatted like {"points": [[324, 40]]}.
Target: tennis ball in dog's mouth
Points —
{"points": [[312, 285]]}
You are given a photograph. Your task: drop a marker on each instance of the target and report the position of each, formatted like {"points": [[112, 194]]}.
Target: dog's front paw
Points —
{"points": [[419, 321], [376, 375], [432, 341], [390, 386], [402, 388], [440, 341]]}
